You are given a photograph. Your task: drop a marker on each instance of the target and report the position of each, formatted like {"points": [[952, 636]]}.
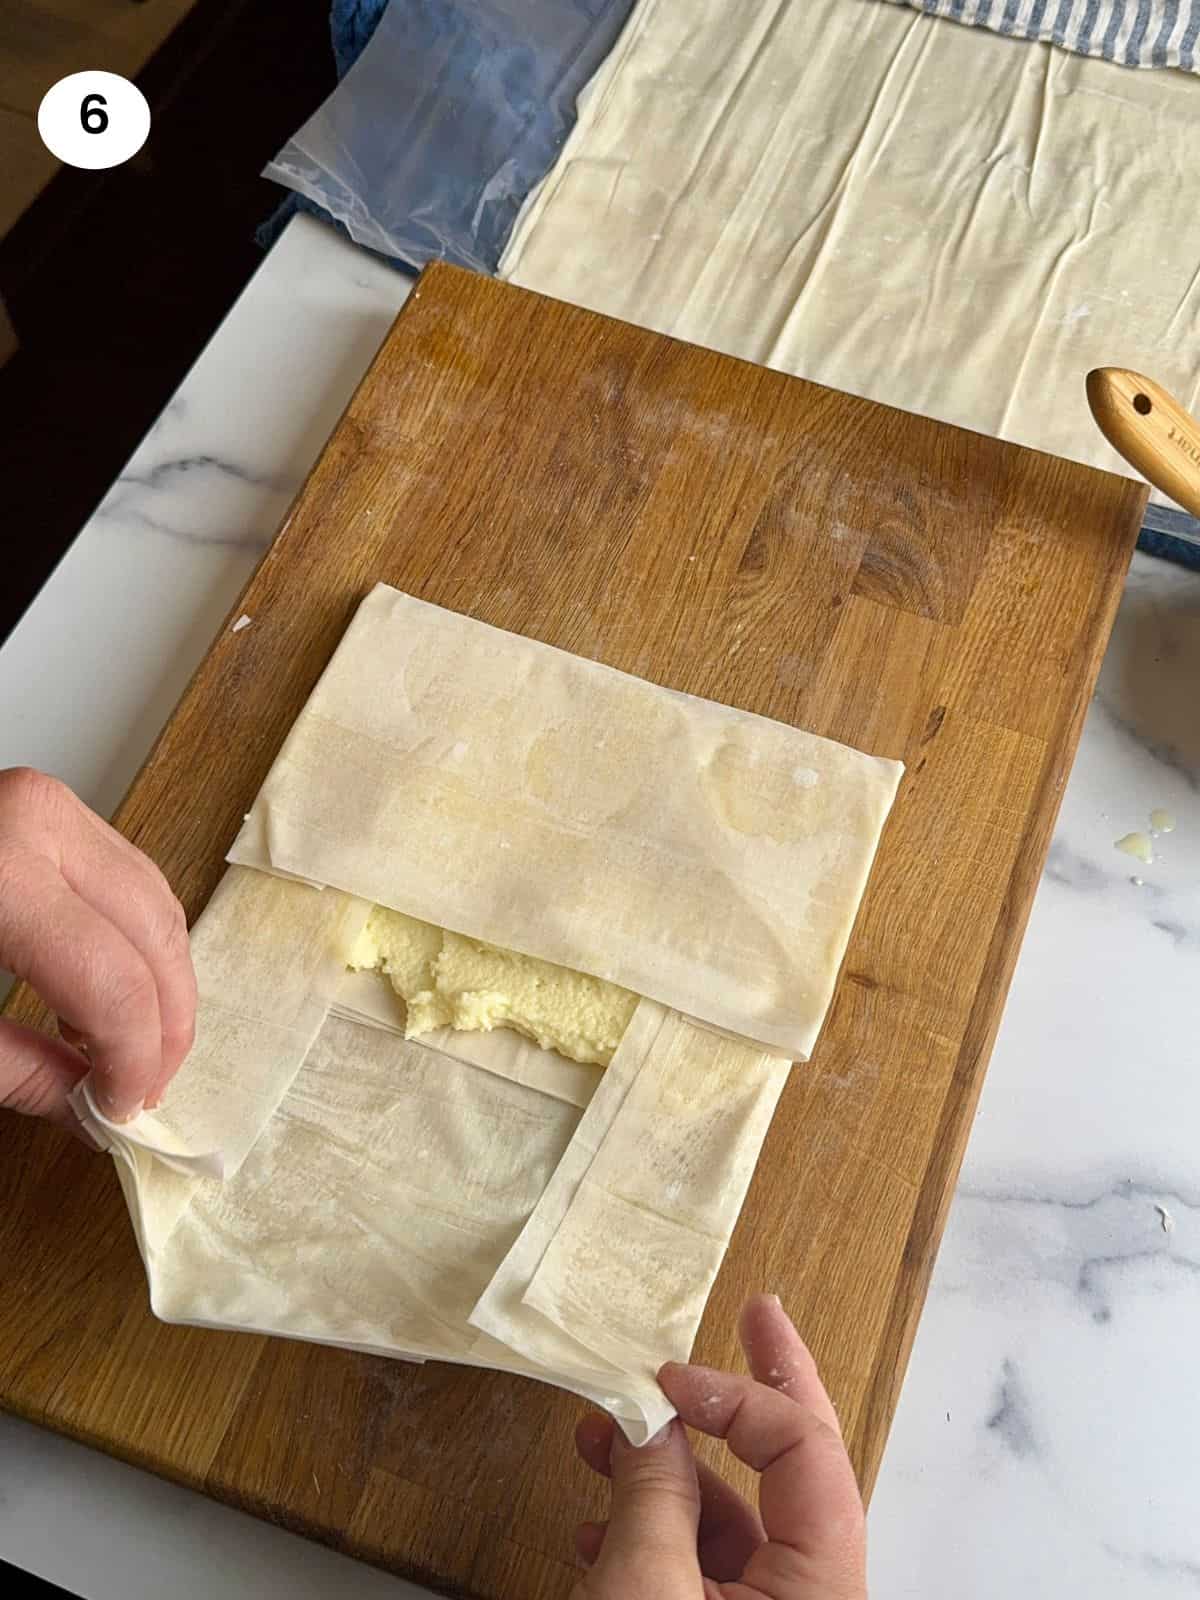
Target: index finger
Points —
{"points": [[808, 1496], [779, 1357]]}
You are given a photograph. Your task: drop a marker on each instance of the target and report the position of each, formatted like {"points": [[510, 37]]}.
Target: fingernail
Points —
{"points": [[656, 1440], [776, 1299], [115, 1115]]}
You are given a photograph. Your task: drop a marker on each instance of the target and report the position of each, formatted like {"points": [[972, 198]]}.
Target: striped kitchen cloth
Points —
{"points": [[1133, 33]]}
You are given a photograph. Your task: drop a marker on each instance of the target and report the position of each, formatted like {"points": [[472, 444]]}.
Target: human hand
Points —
{"points": [[92, 924], [679, 1532]]}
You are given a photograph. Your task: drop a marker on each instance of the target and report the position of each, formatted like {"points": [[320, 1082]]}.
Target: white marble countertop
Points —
{"points": [[1047, 1438]]}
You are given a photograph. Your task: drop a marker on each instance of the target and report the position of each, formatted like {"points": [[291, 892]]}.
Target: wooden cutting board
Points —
{"points": [[909, 588]]}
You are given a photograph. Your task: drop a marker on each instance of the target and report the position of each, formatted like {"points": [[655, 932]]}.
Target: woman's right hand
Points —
{"points": [[679, 1532]]}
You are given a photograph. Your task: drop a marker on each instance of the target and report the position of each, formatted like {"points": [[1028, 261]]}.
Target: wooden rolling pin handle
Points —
{"points": [[1150, 429]]}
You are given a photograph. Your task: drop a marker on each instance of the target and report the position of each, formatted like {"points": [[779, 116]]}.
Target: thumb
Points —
{"points": [[651, 1533], [37, 1073]]}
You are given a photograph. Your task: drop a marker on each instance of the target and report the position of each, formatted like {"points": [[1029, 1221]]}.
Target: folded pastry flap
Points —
{"points": [[269, 956], [157, 1195], [661, 1162], [499, 1311], [376, 1204], [669, 1179], [393, 1185], [706, 857], [371, 1213]]}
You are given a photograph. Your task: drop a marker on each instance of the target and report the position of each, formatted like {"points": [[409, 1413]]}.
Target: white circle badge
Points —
{"points": [[93, 119]]}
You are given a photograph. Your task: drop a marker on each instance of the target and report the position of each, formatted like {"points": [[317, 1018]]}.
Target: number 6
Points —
{"points": [[92, 115]]}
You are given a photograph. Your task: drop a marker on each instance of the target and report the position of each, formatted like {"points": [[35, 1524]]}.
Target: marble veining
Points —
{"points": [[1047, 1441], [163, 472], [1088, 1246], [1011, 1420], [167, 496], [1178, 933], [1074, 871], [1171, 756]]}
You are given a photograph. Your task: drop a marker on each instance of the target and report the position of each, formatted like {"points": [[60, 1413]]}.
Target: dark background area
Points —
{"points": [[27, 1585], [116, 280]]}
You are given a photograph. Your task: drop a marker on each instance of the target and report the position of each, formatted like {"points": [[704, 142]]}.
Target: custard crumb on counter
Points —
{"points": [[447, 980]]}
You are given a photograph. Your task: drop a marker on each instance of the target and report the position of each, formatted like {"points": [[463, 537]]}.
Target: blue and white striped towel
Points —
{"points": [[1133, 33]]}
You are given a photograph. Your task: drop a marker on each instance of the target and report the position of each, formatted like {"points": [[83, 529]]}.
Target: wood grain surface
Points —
{"points": [[909, 588]]}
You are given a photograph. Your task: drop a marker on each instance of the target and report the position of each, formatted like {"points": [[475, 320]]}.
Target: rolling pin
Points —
{"points": [[1150, 429]]}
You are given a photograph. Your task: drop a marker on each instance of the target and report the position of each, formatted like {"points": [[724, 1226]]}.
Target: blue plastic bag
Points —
{"points": [[452, 113]]}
